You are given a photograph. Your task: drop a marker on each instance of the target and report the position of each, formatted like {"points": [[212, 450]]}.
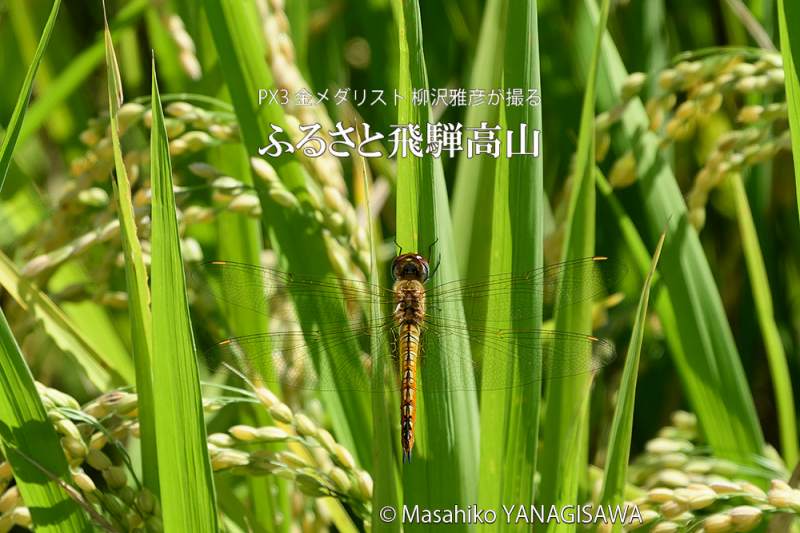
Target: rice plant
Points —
{"points": [[560, 290]]}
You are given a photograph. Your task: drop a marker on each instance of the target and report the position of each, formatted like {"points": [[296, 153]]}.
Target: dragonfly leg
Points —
{"points": [[436, 266], [430, 248]]}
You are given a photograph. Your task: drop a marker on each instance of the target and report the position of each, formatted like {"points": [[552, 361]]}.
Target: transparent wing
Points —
{"points": [[501, 302], [253, 287], [292, 360], [506, 297], [559, 355]]}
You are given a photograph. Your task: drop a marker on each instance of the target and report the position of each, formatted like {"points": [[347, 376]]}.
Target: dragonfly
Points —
{"points": [[491, 314]]}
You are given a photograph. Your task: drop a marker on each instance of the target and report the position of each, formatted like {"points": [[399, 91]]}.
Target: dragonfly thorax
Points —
{"points": [[409, 296]]}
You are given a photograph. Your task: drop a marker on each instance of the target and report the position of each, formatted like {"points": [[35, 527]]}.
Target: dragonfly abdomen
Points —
{"points": [[409, 347], [409, 314]]}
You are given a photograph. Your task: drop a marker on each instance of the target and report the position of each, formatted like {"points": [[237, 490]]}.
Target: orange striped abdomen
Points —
{"points": [[409, 315], [408, 350]]}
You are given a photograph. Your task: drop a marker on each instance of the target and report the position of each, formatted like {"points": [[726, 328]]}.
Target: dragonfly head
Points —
{"points": [[410, 267]]}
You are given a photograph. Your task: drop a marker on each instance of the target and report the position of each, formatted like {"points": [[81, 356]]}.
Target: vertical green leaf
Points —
{"points": [[619, 444], [663, 305], [20, 17], [472, 191], [776, 355], [24, 426], [443, 471], [240, 241], [17, 116], [789, 17], [510, 417], [188, 498], [82, 66], [136, 279], [567, 399], [387, 489]]}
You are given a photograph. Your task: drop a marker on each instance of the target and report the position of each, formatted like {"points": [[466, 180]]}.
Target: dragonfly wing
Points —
{"points": [[505, 358], [300, 360], [505, 297], [255, 288]]}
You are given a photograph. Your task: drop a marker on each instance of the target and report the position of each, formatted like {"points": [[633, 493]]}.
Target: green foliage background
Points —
{"points": [[663, 124]]}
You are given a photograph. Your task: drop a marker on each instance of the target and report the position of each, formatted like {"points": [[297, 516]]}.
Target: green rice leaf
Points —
{"points": [[136, 278], [510, 417], [789, 17], [762, 296], [240, 241], [188, 499], [385, 468], [22, 19], [567, 399], [443, 471], [472, 191], [24, 426], [17, 116], [619, 445]]}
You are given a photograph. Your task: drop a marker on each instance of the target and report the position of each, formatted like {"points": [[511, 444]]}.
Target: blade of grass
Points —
{"points": [[689, 375], [135, 277], [776, 356], [472, 191], [510, 417], [188, 499], [566, 413], [720, 395], [60, 122], [15, 124], [789, 17], [619, 445], [443, 471], [387, 490], [295, 237], [24, 425]]}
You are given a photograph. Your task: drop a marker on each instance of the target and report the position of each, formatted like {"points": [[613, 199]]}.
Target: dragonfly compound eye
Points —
{"points": [[425, 271]]}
